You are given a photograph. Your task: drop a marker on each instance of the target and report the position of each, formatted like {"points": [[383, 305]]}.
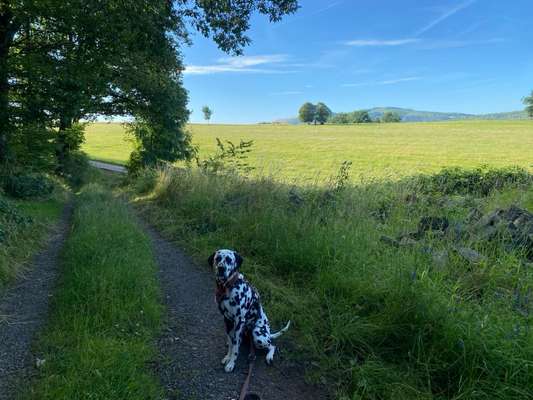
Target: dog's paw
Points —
{"points": [[270, 355], [225, 360], [229, 366]]}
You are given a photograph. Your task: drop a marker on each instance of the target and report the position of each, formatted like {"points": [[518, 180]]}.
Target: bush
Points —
{"points": [[76, 168], [28, 186], [11, 220], [479, 181]]}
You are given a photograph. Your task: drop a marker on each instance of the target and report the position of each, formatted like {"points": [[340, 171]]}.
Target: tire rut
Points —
{"points": [[24, 307], [193, 341]]}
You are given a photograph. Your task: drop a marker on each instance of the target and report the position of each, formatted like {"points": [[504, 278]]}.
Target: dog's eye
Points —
{"points": [[228, 259], [218, 258]]}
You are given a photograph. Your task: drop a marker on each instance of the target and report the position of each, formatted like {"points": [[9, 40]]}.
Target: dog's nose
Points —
{"points": [[220, 270]]}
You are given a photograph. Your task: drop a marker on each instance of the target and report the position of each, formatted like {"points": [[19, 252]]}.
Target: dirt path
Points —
{"points": [[193, 342], [108, 167], [23, 311]]}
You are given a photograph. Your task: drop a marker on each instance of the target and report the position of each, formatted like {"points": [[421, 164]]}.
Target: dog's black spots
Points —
{"points": [[229, 324], [241, 307]]}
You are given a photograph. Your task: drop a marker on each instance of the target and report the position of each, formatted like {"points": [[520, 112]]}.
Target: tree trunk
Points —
{"points": [[7, 33], [61, 143]]}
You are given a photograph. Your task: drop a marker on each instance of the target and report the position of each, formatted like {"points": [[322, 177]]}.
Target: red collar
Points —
{"points": [[223, 288]]}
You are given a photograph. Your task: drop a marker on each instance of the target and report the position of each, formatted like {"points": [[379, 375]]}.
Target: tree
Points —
{"points": [[322, 113], [57, 68], [390, 116], [360, 117], [307, 113], [207, 113], [528, 101]]}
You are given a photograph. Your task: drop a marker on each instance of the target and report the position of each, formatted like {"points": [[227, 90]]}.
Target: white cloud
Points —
{"points": [[379, 42], [244, 64], [445, 16]]}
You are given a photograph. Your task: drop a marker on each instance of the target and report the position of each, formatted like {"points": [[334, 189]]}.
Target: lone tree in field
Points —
{"points": [[528, 101], [322, 113], [307, 113], [390, 116], [207, 113]]}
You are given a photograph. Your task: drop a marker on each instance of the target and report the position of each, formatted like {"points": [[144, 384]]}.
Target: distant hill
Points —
{"points": [[409, 115]]}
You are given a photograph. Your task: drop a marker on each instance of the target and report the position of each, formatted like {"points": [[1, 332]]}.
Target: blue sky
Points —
{"points": [[470, 56]]}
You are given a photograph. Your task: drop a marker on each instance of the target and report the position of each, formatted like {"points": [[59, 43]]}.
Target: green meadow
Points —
{"points": [[309, 153]]}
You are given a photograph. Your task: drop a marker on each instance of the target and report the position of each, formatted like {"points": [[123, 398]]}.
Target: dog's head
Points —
{"points": [[225, 263]]}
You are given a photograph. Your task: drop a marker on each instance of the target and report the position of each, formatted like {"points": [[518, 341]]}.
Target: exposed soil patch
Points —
{"points": [[193, 342], [23, 311]]}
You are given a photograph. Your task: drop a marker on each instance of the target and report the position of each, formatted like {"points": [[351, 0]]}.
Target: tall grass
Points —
{"points": [[381, 322], [24, 225], [107, 312]]}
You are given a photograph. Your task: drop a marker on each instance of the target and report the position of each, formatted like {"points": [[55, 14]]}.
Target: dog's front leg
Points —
{"points": [[235, 335], [229, 328]]}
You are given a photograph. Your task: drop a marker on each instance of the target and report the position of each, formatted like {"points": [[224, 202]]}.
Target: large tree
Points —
{"points": [[528, 101], [307, 113], [322, 113], [64, 60]]}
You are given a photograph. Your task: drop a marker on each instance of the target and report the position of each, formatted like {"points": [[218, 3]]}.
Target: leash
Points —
{"points": [[245, 395]]}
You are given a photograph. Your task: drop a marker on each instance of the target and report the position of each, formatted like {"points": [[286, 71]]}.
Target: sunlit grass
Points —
{"points": [[305, 152]]}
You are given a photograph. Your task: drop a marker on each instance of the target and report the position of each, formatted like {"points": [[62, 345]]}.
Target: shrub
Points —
{"points": [[479, 181], [76, 168], [28, 186]]}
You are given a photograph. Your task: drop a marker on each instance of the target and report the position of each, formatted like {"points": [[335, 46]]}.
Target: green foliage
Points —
{"points": [[528, 101], [207, 113], [23, 225], [76, 169], [480, 181], [354, 117], [158, 142], [108, 302], [307, 113], [229, 158], [381, 322], [391, 116], [26, 186], [322, 113], [56, 68]]}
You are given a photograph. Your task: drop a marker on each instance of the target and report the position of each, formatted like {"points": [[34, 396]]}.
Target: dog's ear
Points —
{"points": [[238, 259], [211, 259]]}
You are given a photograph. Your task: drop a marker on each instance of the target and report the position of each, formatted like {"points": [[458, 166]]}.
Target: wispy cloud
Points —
{"points": [[286, 93], [385, 82], [379, 42], [445, 16], [448, 44], [243, 64]]}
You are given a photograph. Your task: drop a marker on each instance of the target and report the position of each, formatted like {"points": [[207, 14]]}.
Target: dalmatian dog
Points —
{"points": [[239, 303]]}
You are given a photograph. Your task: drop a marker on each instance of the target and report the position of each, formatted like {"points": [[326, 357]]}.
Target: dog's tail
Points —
{"points": [[280, 332]]}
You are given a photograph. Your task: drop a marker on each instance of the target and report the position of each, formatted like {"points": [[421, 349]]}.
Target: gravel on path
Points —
{"points": [[193, 342], [24, 309]]}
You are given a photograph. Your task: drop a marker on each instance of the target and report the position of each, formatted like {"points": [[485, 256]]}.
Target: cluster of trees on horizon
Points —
{"points": [[320, 113], [63, 62]]}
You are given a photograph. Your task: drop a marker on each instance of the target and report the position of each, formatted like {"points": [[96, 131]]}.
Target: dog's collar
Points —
{"points": [[222, 288]]}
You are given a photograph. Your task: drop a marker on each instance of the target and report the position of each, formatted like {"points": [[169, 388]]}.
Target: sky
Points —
{"points": [[471, 56]]}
